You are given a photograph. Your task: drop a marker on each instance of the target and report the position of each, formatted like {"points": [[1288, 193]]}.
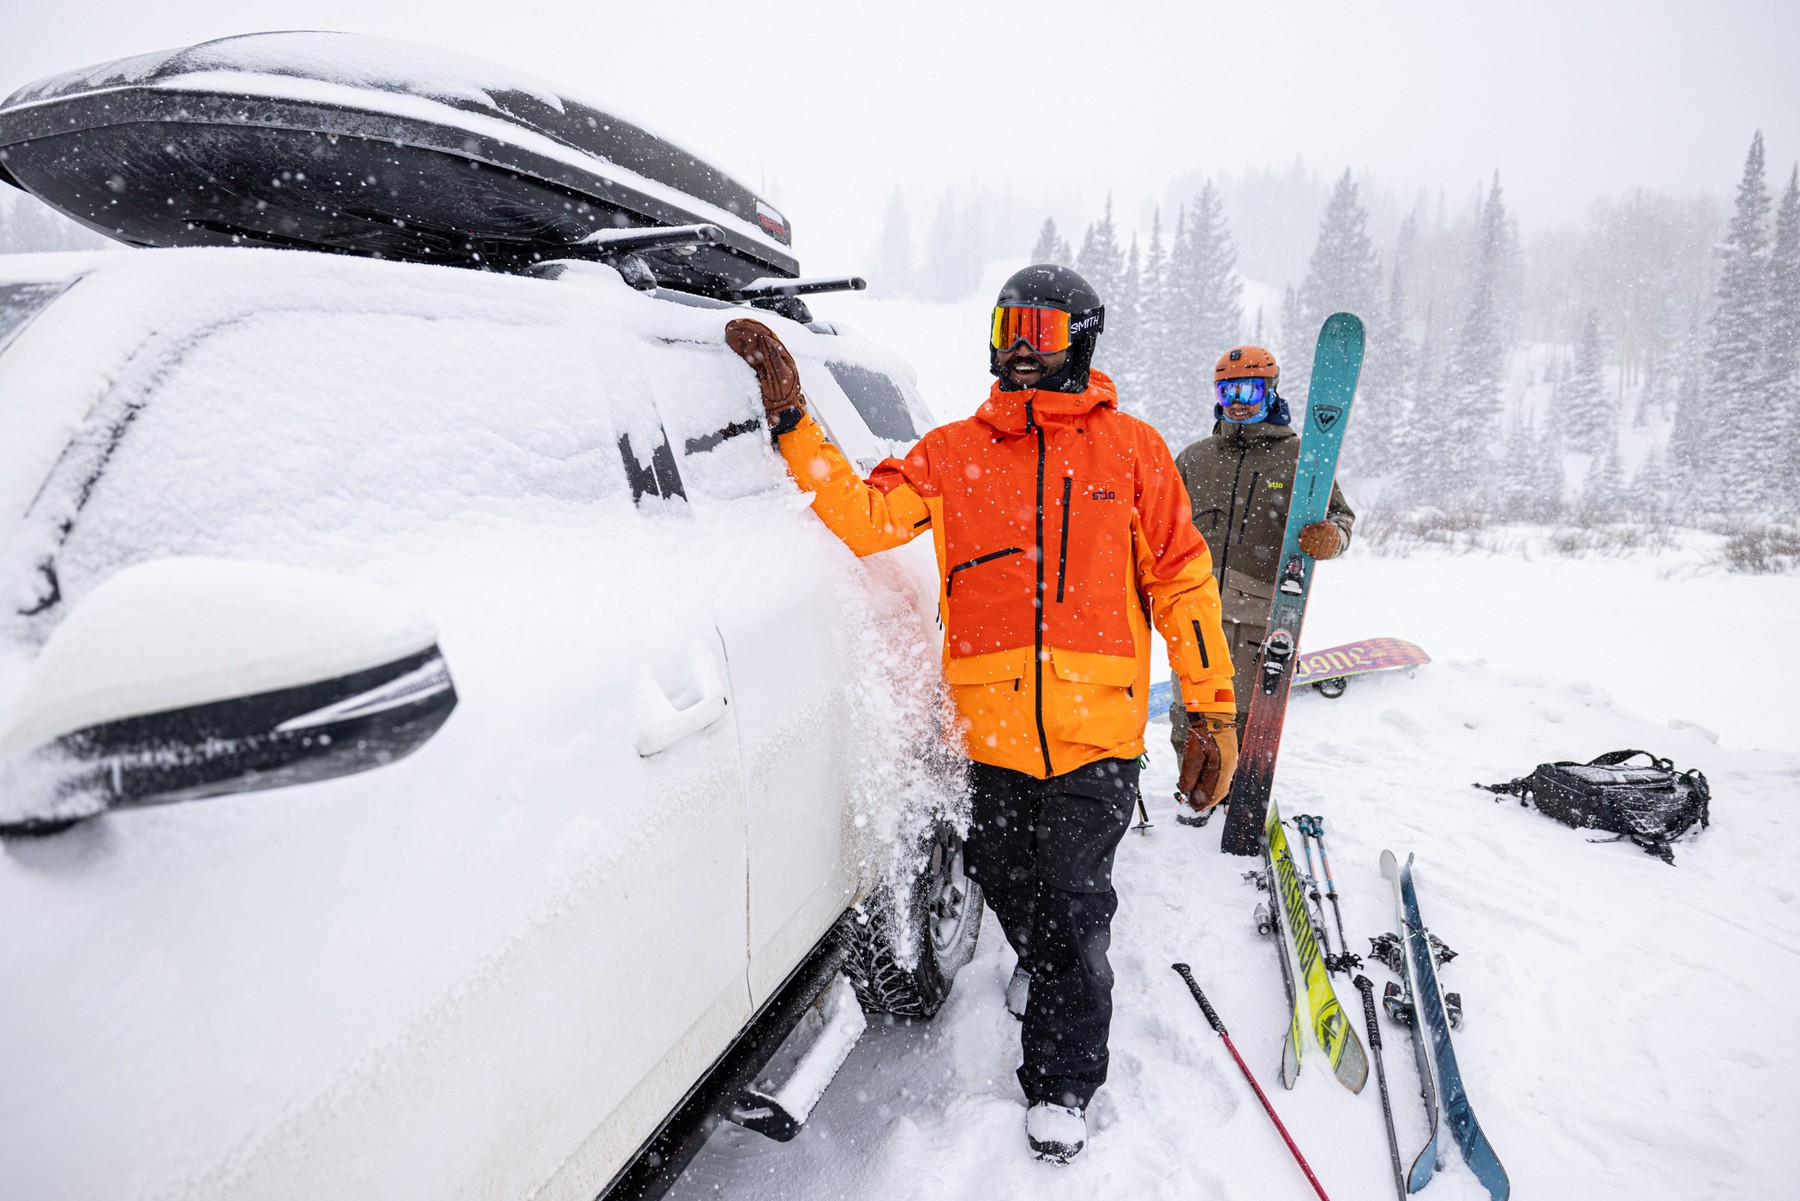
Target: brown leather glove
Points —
{"points": [[1208, 760], [758, 346], [1322, 540]]}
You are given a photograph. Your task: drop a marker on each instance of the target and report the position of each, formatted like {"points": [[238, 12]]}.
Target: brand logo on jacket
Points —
{"points": [[1326, 416], [1103, 494]]}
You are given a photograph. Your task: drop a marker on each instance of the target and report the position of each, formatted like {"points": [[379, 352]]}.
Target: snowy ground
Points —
{"points": [[1624, 1033]]}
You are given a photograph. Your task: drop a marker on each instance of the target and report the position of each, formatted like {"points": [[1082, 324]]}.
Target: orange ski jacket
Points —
{"points": [[1051, 504]]}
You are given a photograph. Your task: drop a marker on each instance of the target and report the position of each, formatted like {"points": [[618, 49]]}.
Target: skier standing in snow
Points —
{"points": [[1239, 480], [1062, 531]]}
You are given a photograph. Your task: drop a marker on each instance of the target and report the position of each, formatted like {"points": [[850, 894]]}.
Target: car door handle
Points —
{"points": [[660, 724]]}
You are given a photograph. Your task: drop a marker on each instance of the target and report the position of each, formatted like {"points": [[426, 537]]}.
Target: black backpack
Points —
{"points": [[1652, 805]]}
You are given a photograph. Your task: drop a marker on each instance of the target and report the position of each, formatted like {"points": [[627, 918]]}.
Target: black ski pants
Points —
{"points": [[1042, 851]]}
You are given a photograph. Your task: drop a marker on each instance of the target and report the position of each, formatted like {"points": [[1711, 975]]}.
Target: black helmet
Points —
{"points": [[1049, 286]]}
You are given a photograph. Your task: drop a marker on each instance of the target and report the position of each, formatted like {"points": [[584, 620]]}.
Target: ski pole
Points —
{"points": [[1219, 1028], [1347, 960], [1304, 825], [1367, 988]]}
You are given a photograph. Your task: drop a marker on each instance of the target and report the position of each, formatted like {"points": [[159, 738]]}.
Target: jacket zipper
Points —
{"points": [[1231, 514], [1249, 503], [1201, 640], [977, 561], [1062, 556], [1037, 603]]}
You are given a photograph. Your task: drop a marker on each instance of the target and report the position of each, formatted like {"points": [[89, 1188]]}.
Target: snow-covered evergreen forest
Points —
{"points": [[1613, 379]]}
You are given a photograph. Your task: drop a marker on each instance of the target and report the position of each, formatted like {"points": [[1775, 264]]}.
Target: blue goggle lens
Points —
{"points": [[1251, 391]]}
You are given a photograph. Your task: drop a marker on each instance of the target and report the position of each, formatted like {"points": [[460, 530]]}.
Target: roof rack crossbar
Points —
{"points": [[766, 287], [612, 243]]}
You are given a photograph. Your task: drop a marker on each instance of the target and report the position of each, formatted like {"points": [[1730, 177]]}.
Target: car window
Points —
{"points": [[324, 437], [710, 406], [19, 303], [878, 399]]}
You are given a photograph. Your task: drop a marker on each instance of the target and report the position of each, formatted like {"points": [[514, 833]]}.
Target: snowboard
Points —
{"points": [[1336, 364], [1440, 1079], [1329, 671], [1312, 991]]}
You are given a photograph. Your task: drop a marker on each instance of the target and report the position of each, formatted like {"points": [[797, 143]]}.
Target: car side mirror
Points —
{"points": [[188, 677]]}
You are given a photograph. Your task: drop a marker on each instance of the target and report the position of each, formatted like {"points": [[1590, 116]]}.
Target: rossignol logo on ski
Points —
{"points": [[1326, 416]]}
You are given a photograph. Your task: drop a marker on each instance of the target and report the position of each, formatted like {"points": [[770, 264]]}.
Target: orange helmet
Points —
{"points": [[1247, 362]]}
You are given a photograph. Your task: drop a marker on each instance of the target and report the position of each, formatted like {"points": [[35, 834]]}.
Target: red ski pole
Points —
{"points": [[1219, 1027]]}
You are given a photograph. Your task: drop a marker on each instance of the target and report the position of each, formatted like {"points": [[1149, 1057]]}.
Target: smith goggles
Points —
{"points": [[1046, 331], [1252, 391]]}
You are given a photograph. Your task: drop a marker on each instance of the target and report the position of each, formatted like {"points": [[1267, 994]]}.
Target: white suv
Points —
{"points": [[571, 760]]}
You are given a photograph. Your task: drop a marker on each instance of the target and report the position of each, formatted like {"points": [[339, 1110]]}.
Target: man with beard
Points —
{"points": [[1062, 533]]}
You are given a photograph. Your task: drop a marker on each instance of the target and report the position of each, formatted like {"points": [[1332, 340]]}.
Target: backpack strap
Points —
{"points": [[1614, 758]]}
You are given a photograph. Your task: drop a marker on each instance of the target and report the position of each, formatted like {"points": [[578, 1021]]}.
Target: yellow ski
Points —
{"points": [[1330, 1026]]}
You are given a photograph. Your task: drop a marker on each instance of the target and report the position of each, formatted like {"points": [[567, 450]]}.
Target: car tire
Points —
{"points": [[942, 911]]}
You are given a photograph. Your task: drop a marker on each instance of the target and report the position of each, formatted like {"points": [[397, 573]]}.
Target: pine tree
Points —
{"points": [[1051, 247], [1417, 437], [1647, 500], [1736, 458], [1603, 491], [1552, 479], [1519, 482], [1782, 354], [1343, 275], [1584, 403], [1203, 313], [1123, 343], [1476, 369], [1158, 390], [1100, 261], [1387, 373], [894, 262], [1689, 437]]}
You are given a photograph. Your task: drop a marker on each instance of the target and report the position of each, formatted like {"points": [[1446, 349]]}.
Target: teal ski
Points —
{"points": [[1336, 364]]}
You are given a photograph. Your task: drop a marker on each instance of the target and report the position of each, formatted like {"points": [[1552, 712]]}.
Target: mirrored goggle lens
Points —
{"points": [[1243, 391], [1044, 330]]}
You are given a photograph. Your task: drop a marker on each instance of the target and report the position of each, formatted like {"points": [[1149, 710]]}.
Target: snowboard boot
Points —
{"points": [[1057, 1133], [1018, 992]]}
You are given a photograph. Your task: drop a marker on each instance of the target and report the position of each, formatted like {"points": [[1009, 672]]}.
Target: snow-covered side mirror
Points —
{"points": [[189, 677]]}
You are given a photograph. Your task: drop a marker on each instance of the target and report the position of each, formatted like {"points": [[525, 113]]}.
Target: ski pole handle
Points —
{"points": [[1187, 974], [1366, 987]]}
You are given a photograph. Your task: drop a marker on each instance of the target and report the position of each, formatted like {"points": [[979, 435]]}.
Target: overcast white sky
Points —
{"points": [[833, 103]]}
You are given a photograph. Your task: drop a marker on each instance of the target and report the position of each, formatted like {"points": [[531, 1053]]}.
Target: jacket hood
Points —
{"points": [[1006, 411]]}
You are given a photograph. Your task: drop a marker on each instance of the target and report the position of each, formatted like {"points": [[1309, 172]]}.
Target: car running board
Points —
{"points": [[794, 1079]]}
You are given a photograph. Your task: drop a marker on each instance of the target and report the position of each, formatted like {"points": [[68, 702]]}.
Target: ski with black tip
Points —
{"points": [[1336, 365]]}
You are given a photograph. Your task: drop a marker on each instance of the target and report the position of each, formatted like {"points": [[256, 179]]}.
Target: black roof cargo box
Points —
{"points": [[337, 142]]}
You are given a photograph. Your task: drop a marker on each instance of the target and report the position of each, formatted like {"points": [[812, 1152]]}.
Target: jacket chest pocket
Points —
{"points": [[971, 564], [1094, 528]]}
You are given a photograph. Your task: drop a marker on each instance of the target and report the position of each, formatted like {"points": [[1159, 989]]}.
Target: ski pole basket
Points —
{"points": [[1651, 803]]}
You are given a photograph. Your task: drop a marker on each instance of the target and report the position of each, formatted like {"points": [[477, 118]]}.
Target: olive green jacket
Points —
{"points": [[1239, 481]]}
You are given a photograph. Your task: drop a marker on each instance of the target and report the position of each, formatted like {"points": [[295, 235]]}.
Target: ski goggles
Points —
{"points": [[1252, 391], [1046, 331]]}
